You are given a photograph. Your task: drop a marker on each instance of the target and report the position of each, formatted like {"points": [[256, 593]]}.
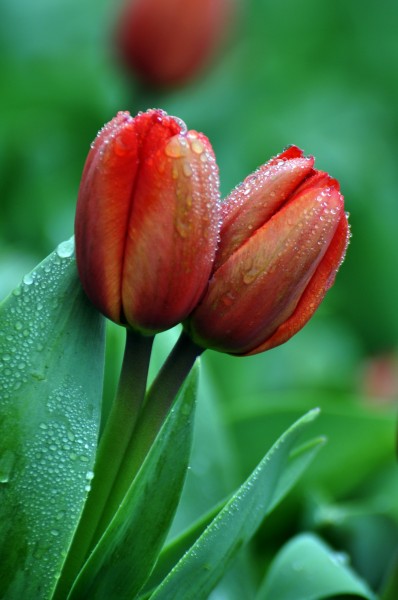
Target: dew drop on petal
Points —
{"points": [[187, 169], [228, 299], [196, 145], [176, 148], [183, 227]]}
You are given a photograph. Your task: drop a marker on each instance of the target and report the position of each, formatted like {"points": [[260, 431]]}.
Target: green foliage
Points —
{"points": [[51, 357], [124, 557], [348, 425], [321, 75], [307, 569], [51, 381], [203, 565]]}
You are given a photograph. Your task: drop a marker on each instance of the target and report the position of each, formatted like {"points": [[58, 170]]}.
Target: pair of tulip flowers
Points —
{"points": [[155, 246]]}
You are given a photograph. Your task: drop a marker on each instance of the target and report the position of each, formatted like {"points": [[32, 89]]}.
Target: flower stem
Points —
{"points": [[158, 401], [113, 444]]}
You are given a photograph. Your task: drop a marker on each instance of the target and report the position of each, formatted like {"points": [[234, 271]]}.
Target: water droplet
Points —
{"points": [[340, 558], [228, 299], [122, 145], [186, 409], [251, 276], [38, 375], [183, 227], [196, 144], [6, 464], [28, 279], [181, 124], [66, 249], [176, 147], [187, 169]]}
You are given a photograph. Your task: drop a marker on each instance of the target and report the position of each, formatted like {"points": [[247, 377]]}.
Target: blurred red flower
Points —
{"points": [[167, 41]]}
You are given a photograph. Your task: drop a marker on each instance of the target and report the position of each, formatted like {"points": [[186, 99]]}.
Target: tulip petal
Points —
{"points": [[259, 287], [147, 220], [287, 154], [105, 201], [253, 202], [172, 233], [102, 212], [313, 295]]}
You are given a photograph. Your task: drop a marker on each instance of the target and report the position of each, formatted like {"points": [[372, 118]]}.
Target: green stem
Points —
{"points": [[159, 399], [113, 444]]}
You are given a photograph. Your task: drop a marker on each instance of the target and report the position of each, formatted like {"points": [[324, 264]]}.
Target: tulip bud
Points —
{"points": [[147, 220], [284, 234], [166, 41]]}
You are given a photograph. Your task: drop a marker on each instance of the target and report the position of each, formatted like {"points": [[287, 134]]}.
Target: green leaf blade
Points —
{"points": [[124, 557], [51, 369], [307, 569], [203, 565]]}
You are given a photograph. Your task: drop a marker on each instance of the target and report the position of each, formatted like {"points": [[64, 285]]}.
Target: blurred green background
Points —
{"points": [[322, 75]]}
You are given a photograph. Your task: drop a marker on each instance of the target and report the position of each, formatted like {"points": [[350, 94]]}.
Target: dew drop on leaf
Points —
{"points": [[66, 249], [53, 444]]}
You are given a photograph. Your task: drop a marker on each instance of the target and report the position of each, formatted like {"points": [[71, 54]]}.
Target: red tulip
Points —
{"points": [[147, 220], [284, 234], [167, 41]]}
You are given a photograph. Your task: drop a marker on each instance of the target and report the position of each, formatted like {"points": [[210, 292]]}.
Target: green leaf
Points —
{"points": [[360, 438], [125, 555], [390, 587], [171, 554], [307, 569], [175, 549], [51, 370], [203, 565]]}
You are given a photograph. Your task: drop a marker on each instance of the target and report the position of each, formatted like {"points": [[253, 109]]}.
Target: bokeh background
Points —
{"points": [[321, 75]]}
